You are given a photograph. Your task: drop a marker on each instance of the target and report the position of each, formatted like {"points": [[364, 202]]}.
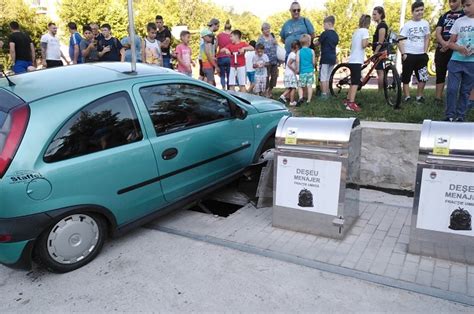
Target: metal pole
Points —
{"points": [[403, 12], [132, 36]]}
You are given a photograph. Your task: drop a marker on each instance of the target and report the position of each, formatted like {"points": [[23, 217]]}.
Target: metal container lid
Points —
{"points": [[297, 132], [447, 138]]}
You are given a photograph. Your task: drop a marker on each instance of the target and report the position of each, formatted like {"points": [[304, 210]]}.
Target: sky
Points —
{"points": [[265, 8]]}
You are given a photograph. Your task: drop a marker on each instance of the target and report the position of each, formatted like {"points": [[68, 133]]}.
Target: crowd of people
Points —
{"points": [[254, 66]]}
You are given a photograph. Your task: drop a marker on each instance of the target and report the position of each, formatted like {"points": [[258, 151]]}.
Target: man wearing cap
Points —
{"points": [[208, 56], [213, 26], [163, 35]]}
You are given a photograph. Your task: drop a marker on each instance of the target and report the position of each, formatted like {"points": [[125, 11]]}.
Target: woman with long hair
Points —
{"points": [[380, 36]]}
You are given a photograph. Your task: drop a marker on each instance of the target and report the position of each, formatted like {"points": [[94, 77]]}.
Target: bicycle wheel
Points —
{"points": [[340, 81], [431, 67], [392, 86]]}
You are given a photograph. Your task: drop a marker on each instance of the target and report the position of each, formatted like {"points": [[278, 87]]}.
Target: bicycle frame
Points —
{"points": [[374, 60]]}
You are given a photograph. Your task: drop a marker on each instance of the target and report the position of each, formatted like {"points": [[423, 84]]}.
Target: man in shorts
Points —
{"points": [[328, 40], [414, 51], [22, 50], [443, 53], [213, 26]]}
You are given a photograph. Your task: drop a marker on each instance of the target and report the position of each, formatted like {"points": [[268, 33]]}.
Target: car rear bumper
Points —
{"points": [[16, 254], [23, 231]]}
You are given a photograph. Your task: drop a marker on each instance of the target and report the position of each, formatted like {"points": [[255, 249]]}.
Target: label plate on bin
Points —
{"points": [[446, 201], [291, 136], [308, 184], [441, 146]]}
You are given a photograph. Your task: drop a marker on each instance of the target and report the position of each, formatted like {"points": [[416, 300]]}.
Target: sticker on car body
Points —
{"points": [[24, 176]]}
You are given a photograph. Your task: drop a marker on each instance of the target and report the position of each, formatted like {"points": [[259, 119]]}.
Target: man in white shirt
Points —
{"points": [[51, 53], [414, 51]]}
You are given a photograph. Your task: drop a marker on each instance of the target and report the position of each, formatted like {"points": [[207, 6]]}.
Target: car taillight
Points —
{"points": [[5, 238], [13, 130]]}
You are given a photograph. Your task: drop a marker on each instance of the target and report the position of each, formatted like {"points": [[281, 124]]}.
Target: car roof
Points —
{"points": [[40, 84]]}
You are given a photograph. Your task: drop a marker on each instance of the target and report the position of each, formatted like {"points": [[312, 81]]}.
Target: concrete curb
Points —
{"points": [[437, 293]]}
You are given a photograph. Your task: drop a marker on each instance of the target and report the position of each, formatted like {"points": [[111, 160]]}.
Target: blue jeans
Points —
{"points": [[167, 61], [460, 84], [21, 66], [224, 70]]}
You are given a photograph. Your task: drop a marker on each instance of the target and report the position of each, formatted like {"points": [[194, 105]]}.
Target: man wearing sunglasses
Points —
{"points": [[295, 27]]}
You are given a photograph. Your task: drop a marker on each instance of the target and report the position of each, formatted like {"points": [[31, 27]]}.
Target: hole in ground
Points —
{"points": [[232, 197], [216, 208]]}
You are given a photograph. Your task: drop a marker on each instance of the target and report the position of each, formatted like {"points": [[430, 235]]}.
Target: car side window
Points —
{"points": [[174, 107], [106, 123]]}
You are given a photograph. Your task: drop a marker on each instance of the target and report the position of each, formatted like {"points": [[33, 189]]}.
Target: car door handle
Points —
{"points": [[169, 153]]}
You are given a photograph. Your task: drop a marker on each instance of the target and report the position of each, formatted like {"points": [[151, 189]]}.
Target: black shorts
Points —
{"points": [[53, 63], [356, 73], [441, 62], [417, 64], [201, 72]]}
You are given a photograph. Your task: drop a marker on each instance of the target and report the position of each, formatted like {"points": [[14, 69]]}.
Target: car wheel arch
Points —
{"points": [[105, 213], [269, 136]]}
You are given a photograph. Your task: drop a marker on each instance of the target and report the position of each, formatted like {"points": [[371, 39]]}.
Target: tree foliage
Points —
{"points": [[193, 13], [30, 22]]}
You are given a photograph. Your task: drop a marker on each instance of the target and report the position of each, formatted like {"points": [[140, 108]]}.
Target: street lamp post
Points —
{"points": [[131, 27], [403, 12]]}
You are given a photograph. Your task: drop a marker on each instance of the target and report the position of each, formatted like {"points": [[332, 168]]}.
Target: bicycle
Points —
{"points": [[340, 79]]}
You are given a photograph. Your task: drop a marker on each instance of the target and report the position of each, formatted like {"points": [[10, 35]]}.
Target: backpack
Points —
{"points": [[311, 46]]}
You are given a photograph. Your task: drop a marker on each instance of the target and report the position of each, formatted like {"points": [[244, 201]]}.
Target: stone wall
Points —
{"points": [[389, 154]]}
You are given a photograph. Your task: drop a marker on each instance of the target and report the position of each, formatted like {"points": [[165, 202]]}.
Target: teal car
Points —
{"points": [[92, 150]]}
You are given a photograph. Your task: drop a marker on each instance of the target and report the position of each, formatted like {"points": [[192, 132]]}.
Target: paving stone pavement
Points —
{"points": [[376, 244]]}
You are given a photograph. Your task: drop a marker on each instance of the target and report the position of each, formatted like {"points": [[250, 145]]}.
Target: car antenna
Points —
{"points": [[10, 83]]}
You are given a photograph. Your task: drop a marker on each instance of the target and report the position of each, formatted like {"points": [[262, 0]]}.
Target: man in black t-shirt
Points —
{"points": [[163, 35], [443, 53], [110, 48], [22, 50]]}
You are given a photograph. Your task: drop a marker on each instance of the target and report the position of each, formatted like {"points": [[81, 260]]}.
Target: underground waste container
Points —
{"points": [[441, 224], [316, 175]]}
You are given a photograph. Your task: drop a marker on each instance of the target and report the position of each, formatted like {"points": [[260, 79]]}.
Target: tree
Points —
{"points": [[347, 14], [30, 22]]}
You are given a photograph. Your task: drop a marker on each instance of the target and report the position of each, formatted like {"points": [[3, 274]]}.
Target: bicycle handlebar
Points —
{"points": [[391, 41]]}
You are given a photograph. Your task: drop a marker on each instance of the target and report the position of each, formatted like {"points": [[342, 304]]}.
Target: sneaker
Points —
{"points": [[407, 99], [459, 119], [448, 119], [420, 99], [352, 106], [282, 99], [293, 104], [300, 102], [324, 96], [439, 102]]}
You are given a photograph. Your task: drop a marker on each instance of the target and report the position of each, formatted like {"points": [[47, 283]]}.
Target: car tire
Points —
{"points": [[71, 242]]}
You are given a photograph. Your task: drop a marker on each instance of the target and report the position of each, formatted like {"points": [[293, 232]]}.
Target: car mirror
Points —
{"points": [[240, 113]]}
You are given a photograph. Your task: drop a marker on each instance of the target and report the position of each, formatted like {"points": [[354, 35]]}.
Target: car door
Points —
{"points": [[100, 156], [198, 139]]}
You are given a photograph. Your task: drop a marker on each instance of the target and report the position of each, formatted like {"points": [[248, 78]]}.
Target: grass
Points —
{"points": [[374, 108]]}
